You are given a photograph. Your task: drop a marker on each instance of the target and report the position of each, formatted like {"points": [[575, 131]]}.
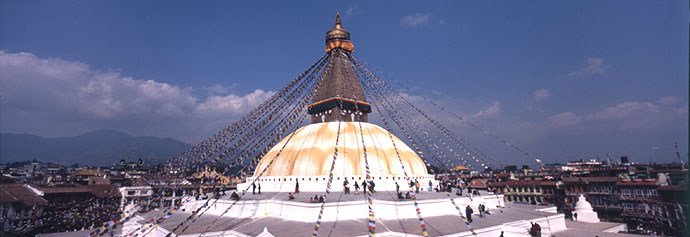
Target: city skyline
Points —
{"points": [[563, 84]]}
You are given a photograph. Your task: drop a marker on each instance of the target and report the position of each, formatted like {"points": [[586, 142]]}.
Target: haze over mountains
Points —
{"points": [[102, 147]]}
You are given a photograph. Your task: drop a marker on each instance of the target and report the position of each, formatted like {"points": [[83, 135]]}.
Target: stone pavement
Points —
{"points": [[439, 225], [341, 197], [577, 229]]}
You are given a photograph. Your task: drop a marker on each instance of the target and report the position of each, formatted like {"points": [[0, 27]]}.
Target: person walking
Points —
{"points": [[356, 188], [416, 184], [296, 186], [481, 210], [259, 188], [468, 213], [253, 188], [532, 229], [364, 187], [431, 186], [575, 216], [397, 188], [346, 189]]}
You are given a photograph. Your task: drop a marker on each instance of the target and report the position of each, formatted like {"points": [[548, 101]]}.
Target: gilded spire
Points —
{"points": [[340, 96], [338, 25], [338, 37]]}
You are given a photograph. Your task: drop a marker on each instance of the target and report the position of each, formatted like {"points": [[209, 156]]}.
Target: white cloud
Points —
{"points": [[352, 10], [669, 100], [227, 105], [626, 115], [415, 20], [594, 66], [45, 96], [492, 111], [625, 110], [542, 95], [219, 89], [563, 119]]}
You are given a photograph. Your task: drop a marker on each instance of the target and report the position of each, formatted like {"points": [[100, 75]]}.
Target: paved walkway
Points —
{"points": [[342, 197], [439, 225], [577, 229]]}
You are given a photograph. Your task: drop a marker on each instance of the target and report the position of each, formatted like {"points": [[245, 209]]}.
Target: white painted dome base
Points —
{"points": [[318, 183], [311, 149]]}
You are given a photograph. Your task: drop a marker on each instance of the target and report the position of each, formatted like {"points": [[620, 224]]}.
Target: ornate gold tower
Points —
{"points": [[340, 96]]}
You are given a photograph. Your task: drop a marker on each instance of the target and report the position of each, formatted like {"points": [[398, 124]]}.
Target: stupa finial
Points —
{"points": [[337, 32], [338, 24]]}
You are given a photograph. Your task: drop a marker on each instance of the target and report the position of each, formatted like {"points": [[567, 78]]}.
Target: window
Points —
{"points": [[652, 193], [628, 206], [130, 193], [656, 208], [640, 207], [626, 192], [639, 192]]}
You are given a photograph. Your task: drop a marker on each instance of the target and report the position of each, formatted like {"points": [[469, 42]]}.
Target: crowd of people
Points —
{"points": [[363, 186], [69, 216]]}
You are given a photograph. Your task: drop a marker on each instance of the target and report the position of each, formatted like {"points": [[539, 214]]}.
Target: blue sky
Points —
{"points": [[564, 80]]}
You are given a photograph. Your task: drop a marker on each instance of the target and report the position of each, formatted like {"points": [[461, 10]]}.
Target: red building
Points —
{"points": [[601, 192]]}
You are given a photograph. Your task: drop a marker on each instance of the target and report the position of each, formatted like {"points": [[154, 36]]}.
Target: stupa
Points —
{"points": [[340, 101], [585, 212]]}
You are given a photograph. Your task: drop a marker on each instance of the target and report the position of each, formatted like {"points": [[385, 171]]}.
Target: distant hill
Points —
{"points": [[103, 147]]}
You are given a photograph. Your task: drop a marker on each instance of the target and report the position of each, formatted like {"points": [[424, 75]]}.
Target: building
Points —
{"points": [[90, 176], [63, 194], [135, 191], [674, 204], [19, 207], [527, 191], [601, 192], [642, 205], [170, 189]]}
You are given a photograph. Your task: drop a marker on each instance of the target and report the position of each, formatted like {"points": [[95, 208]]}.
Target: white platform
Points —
{"points": [[318, 183], [349, 210], [298, 212]]}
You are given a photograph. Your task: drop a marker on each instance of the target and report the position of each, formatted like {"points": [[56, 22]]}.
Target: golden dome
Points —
{"points": [[310, 152]]}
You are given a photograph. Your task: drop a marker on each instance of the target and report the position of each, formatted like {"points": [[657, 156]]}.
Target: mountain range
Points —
{"points": [[102, 147]]}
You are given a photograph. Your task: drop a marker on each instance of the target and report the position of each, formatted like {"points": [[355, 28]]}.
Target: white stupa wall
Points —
{"points": [[318, 183]]}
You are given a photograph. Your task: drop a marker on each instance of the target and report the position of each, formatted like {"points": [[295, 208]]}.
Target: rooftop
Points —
{"points": [[590, 179], [18, 193]]}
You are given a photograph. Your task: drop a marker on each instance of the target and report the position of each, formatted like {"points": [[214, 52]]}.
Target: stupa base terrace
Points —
{"points": [[272, 214], [319, 183]]}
